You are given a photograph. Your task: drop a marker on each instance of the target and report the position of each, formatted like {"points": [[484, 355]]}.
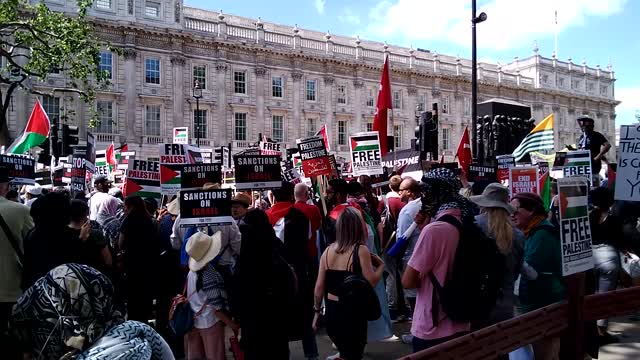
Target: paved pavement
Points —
{"points": [[627, 329]]}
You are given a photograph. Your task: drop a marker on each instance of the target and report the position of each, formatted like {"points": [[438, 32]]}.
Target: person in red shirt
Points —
{"points": [[301, 194]]}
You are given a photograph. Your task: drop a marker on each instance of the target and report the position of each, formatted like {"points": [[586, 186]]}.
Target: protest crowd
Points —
{"points": [[107, 274]]}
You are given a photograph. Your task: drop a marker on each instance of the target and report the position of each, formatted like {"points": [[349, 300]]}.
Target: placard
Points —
{"points": [[291, 175], [21, 168], [143, 179], [481, 172], [257, 172], [270, 148], [577, 163], [366, 158], [172, 158], [505, 162], [205, 207], [181, 135], [101, 167], [335, 173], [628, 175], [194, 176], [575, 230], [90, 154], [524, 179], [78, 174], [313, 153]]}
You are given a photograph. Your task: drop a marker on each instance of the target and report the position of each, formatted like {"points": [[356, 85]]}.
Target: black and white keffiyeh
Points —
{"points": [[443, 186]]}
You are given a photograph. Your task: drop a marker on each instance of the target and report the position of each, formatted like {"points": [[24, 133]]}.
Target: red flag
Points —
{"points": [[111, 156], [383, 104], [124, 148], [464, 151], [323, 132]]}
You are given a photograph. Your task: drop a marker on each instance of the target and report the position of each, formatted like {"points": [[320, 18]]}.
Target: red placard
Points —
{"points": [[524, 179], [316, 167]]}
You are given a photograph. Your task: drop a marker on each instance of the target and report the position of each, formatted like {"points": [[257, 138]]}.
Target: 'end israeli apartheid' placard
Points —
{"points": [[366, 158], [257, 172], [194, 176], [21, 168], [205, 207], [628, 176], [575, 231], [313, 153], [524, 179]]}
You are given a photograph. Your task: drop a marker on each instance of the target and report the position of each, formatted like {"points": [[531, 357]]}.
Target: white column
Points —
{"points": [[261, 120], [223, 128], [130, 96], [178, 119], [297, 105]]}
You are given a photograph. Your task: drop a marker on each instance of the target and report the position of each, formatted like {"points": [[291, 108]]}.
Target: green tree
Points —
{"points": [[35, 41]]}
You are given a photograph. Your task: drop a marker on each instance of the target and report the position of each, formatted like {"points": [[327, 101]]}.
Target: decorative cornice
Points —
{"points": [[260, 71], [412, 91], [555, 108], [435, 93], [329, 80], [537, 106], [129, 54], [358, 84], [221, 67], [178, 60], [296, 76]]}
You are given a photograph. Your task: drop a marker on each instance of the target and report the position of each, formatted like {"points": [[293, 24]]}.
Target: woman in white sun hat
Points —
{"points": [[208, 299], [495, 221]]}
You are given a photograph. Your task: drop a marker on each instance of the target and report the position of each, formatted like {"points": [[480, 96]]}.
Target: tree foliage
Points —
{"points": [[36, 41]]}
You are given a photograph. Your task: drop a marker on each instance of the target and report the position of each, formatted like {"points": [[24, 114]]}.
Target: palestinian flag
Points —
{"points": [[573, 202], [142, 187], [545, 189], [170, 174], [297, 162], [540, 138], [36, 132], [365, 142]]}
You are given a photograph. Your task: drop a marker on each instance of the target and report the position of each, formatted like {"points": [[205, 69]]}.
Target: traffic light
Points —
{"points": [[70, 137], [422, 134], [55, 141], [44, 157]]}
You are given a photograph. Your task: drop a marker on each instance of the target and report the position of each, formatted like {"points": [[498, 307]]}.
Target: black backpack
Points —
{"points": [[356, 295], [474, 285]]}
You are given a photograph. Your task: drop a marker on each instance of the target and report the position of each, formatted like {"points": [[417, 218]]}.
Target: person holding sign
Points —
{"points": [[541, 281], [593, 141], [606, 238]]}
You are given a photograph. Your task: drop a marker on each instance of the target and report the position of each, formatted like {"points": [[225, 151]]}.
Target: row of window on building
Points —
{"points": [[576, 84], [153, 74]]}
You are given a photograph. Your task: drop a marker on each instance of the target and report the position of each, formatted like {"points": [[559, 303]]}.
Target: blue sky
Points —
{"points": [[597, 31]]}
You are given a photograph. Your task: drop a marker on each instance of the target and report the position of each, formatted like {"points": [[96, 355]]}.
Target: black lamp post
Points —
{"points": [[474, 76], [197, 94]]}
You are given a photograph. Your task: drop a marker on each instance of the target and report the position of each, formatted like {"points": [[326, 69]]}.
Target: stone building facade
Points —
{"points": [[285, 82]]}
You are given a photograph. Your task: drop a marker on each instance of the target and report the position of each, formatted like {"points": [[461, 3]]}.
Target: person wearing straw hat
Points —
{"points": [[494, 220], [207, 298]]}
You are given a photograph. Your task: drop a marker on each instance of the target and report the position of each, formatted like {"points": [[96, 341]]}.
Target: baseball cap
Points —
{"points": [[101, 179]]}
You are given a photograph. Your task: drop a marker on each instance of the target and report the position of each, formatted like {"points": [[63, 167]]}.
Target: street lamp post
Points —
{"points": [[197, 94], [474, 77]]}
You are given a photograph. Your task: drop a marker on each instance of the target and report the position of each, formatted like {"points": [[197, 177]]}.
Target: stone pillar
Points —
{"points": [[259, 32], [358, 102], [223, 127], [329, 109], [130, 96], [261, 120], [178, 119], [222, 26], [297, 105]]}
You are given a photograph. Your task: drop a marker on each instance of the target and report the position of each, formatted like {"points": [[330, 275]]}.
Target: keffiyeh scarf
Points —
{"points": [[64, 311]]}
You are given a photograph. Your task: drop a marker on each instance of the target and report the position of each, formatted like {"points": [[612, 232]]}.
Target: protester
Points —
{"points": [[294, 230], [312, 213], [13, 195], [346, 328], [261, 275], [18, 224], [554, 208], [51, 243], [139, 252], [607, 239], [495, 222], [336, 197], [32, 193], [410, 193], [101, 204], [434, 253], [541, 281], [208, 300], [239, 207], [259, 202], [595, 142], [65, 311], [94, 249], [116, 193]]}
